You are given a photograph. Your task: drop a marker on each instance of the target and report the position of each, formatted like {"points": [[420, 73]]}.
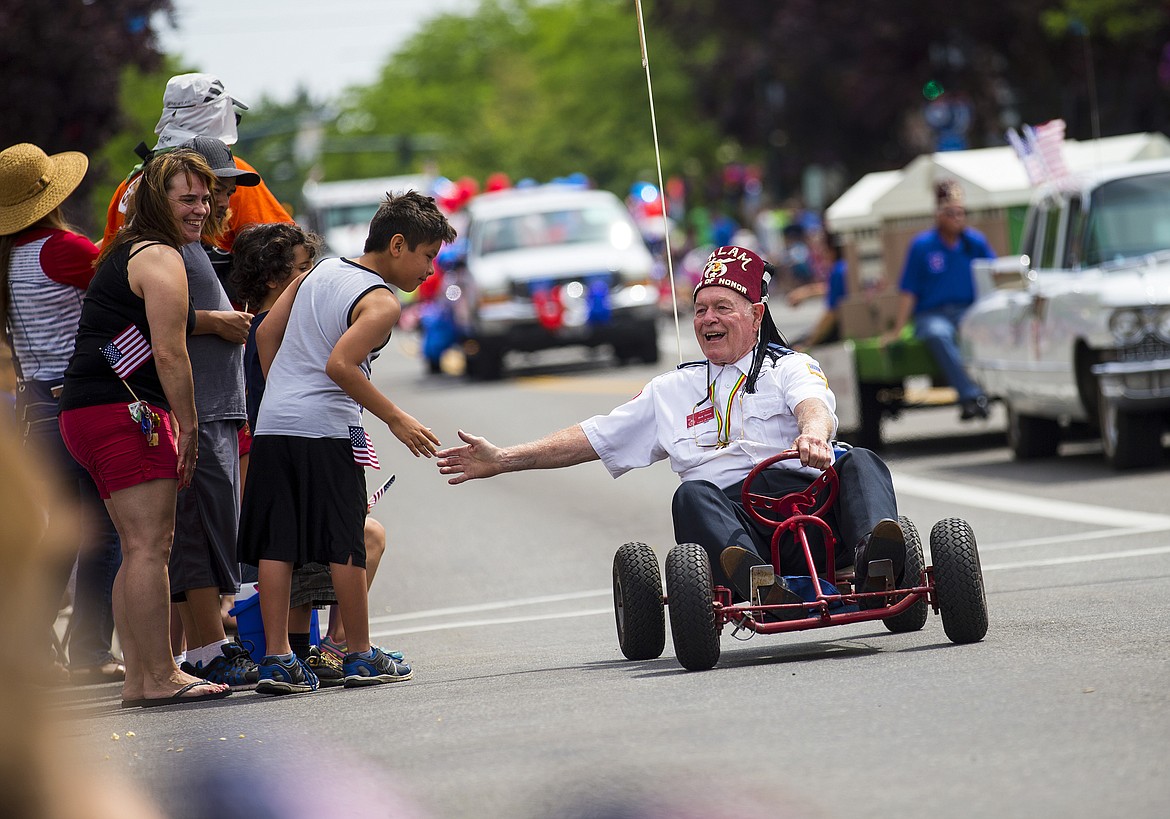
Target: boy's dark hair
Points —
{"points": [[262, 254], [415, 216]]}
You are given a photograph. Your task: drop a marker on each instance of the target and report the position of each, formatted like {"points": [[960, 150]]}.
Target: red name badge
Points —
{"points": [[700, 417]]}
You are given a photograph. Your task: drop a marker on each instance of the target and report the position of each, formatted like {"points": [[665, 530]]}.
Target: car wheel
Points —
{"points": [[485, 360], [958, 581], [641, 346], [1032, 437], [690, 599], [913, 618], [637, 602], [870, 410], [1130, 439]]}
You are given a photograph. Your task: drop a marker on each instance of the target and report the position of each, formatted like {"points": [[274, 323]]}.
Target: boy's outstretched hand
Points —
{"points": [[480, 458], [418, 439]]}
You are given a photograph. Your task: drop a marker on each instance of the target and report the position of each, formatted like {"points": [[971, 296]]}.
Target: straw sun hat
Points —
{"points": [[32, 183]]}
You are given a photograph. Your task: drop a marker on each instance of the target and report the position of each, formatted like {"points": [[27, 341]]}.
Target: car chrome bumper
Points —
{"points": [[1135, 384]]}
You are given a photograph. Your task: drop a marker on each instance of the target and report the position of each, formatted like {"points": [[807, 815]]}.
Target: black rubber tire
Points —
{"points": [[637, 602], [484, 360], [642, 345], [1031, 437], [870, 410], [913, 618], [958, 581], [691, 603], [1131, 440]]}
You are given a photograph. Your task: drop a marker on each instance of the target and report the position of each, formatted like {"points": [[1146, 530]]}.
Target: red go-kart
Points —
{"points": [[952, 586]]}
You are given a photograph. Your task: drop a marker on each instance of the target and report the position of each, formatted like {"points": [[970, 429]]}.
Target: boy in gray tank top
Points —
{"points": [[317, 346]]}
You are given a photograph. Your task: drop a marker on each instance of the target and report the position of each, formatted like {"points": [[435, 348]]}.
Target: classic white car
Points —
{"points": [[1076, 329], [555, 266]]}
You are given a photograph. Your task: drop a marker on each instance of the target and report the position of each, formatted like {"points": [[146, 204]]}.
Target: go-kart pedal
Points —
{"points": [[757, 582]]}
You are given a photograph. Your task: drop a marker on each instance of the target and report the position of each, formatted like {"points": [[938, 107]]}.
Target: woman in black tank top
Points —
{"points": [[128, 377]]}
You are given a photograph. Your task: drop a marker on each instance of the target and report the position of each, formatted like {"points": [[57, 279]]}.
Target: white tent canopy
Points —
{"points": [[991, 178], [854, 209]]}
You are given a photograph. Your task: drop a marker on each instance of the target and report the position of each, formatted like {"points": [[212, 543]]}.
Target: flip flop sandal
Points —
{"points": [[178, 699]]}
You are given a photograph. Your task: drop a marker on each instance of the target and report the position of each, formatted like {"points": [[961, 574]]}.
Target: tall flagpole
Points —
{"points": [[661, 187]]}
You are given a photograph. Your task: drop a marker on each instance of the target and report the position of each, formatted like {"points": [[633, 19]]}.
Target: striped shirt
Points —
{"points": [[48, 273]]}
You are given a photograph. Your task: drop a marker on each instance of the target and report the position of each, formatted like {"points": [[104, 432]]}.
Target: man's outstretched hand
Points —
{"points": [[478, 458]]}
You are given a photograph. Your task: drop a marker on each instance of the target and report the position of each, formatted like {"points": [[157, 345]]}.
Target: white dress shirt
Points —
{"points": [[673, 417]]}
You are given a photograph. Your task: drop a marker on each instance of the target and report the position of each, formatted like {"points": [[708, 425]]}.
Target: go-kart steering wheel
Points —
{"points": [[814, 500]]}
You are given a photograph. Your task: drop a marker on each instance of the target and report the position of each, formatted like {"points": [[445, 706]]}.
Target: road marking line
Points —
{"points": [[499, 604], [1014, 503], [1060, 540], [1064, 561], [530, 618], [499, 621]]}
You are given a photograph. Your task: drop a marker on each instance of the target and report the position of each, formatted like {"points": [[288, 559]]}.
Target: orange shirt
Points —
{"points": [[248, 206]]}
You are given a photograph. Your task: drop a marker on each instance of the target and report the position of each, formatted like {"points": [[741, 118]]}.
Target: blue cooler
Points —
{"points": [[250, 626]]}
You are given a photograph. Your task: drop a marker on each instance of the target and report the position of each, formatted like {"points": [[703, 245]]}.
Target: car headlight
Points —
{"points": [[1127, 326], [1162, 325]]}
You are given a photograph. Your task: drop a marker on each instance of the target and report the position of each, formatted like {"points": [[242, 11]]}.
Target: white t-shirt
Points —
{"points": [[673, 417]]}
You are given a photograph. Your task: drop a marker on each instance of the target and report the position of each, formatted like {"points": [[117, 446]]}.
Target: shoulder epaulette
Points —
{"points": [[775, 351], [691, 364]]}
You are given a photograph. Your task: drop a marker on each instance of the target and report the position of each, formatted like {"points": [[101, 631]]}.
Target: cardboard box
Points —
{"points": [[869, 314]]}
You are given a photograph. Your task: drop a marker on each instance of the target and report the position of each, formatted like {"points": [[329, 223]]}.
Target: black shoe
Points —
{"points": [[737, 563], [975, 408], [885, 542]]}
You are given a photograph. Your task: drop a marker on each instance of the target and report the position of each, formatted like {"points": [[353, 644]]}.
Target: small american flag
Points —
{"points": [[377, 496], [127, 352], [363, 448], [1048, 141]]}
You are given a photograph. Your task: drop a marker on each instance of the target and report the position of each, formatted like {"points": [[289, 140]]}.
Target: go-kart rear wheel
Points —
{"points": [[637, 602], [913, 618], [692, 610], [958, 581]]}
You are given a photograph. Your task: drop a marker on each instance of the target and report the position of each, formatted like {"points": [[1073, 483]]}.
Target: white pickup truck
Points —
{"points": [[1076, 329]]}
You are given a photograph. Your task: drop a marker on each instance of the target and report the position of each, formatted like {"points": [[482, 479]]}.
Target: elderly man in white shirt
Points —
{"points": [[715, 420]]}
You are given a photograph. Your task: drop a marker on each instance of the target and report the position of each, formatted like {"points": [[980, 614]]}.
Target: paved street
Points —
{"points": [[522, 705]]}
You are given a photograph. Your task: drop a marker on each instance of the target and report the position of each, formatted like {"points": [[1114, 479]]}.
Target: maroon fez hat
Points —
{"points": [[738, 269]]}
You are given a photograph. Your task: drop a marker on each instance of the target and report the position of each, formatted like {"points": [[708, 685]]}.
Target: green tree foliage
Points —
{"points": [[841, 82], [62, 63], [528, 88]]}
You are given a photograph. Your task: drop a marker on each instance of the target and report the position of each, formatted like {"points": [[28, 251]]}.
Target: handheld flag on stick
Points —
{"points": [[128, 351], [363, 448], [377, 496], [1041, 151]]}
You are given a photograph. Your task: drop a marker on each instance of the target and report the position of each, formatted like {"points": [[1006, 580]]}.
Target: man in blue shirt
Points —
{"points": [[937, 288]]}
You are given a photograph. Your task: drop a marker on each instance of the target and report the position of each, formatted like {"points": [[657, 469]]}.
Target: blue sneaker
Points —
{"points": [[234, 667], [376, 670], [339, 650], [285, 677]]}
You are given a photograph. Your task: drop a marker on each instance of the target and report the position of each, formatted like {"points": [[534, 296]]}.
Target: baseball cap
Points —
{"points": [[219, 157]]}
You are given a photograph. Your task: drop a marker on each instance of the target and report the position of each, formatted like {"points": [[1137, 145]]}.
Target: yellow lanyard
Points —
{"points": [[723, 422]]}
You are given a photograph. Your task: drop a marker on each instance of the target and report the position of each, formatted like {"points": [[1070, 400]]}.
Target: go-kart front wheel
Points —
{"points": [[637, 602], [913, 618], [690, 598], [958, 581]]}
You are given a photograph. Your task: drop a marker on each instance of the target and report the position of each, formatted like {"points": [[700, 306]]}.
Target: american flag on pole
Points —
{"points": [[127, 352], [1028, 156], [363, 448], [1048, 141]]}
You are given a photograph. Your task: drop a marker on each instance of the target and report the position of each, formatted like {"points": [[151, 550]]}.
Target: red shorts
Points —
{"points": [[110, 445], [245, 440]]}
